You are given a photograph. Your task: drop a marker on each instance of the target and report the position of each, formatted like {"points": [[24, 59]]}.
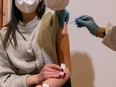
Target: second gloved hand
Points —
{"points": [[63, 16], [88, 22]]}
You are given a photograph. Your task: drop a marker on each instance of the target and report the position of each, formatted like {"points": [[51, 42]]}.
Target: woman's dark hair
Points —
{"points": [[12, 25]]}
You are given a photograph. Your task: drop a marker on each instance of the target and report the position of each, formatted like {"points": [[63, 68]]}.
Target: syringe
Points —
{"points": [[80, 17]]}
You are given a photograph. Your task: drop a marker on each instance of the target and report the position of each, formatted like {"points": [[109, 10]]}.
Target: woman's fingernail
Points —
{"points": [[62, 70], [60, 76]]}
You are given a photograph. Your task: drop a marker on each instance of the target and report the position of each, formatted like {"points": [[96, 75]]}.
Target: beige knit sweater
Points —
{"points": [[31, 54]]}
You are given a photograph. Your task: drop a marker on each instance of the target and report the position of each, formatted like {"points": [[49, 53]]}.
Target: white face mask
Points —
{"points": [[56, 4], [27, 6]]}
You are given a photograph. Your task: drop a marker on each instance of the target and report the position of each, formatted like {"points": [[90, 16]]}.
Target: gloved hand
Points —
{"points": [[63, 16], [88, 22]]}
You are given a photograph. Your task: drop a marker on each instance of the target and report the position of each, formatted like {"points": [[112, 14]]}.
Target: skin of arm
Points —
{"points": [[33, 80], [101, 32], [63, 56], [48, 71]]}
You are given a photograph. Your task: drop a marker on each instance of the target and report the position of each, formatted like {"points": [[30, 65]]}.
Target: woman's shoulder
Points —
{"points": [[49, 17], [49, 14]]}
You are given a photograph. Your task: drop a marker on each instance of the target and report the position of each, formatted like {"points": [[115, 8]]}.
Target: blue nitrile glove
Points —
{"points": [[63, 16], [78, 18], [88, 22]]}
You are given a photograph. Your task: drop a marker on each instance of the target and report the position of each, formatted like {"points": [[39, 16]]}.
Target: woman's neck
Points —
{"points": [[28, 17]]}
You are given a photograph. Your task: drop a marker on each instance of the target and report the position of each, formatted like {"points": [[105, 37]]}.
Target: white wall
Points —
{"points": [[93, 64]]}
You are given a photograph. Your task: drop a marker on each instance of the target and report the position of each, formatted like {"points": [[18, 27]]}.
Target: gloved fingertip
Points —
{"points": [[79, 17], [76, 23], [79, 26]]}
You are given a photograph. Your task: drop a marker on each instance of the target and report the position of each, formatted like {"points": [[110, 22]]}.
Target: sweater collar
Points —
{"points": [[30, 25]]}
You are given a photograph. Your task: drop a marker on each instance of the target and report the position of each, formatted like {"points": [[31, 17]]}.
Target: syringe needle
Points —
{"points": [[71, 22]]}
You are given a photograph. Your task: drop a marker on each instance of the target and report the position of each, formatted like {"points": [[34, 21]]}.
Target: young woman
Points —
{"points": [[32, 47]]}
